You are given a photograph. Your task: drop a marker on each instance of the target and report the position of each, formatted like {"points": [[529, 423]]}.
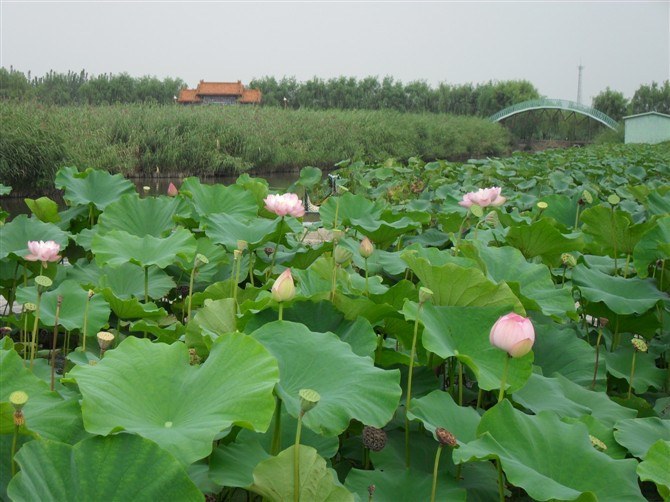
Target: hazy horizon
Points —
{"points": [[620, 44]]}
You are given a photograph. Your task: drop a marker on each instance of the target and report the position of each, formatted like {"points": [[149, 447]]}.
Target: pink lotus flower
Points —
{"points": [[483, 197], [286, 204], [514, 334], [43, 251], [283, 290], [172, 190]]}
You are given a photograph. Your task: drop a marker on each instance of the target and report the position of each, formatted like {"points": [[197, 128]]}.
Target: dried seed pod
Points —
{"points": [[446, 438], [373, 438]]}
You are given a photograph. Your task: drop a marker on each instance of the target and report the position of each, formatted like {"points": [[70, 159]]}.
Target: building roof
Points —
{"points": [[647, 113], [188, 96], [220, 88], [250, 96]]}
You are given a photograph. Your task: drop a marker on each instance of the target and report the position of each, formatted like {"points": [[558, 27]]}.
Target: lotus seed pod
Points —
{"points": [[373, 438], [30, 307], [371, 490], [542, 205], [43, 281], [568, 260], [18, 399], [105, 339], [366, 248], [146, 189], [446, 438], [613, 199], [201, 258], [639, 343], [342, 255], [588, 198], [425, 295], [309, 398], [597, 443]]}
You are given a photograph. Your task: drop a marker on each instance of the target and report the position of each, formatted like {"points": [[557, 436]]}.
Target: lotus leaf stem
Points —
{"points": [[53, 344], [480, 394], [275, 446], [274, 253], [13, 452], [88, 300], [33, 342], [501, 481], [460, 383], [281, 311], [190, 289], [632, 373], [296, 459], [409, 383], [503, 380], [367, 288], [333, 282], [595, 370], [436, 465], [460, 233]]}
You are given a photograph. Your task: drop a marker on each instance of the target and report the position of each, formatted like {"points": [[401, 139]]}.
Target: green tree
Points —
{"points": [[651, 98], [612, 103]]}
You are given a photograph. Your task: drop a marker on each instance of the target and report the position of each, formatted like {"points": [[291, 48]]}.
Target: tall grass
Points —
{"points": [[204, 140]]}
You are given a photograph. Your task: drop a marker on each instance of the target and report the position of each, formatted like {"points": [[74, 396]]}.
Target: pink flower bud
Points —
{"points": [[514, 334], [172, 190], [286, 204], [43, 251], [483, 197], [283, 290]]}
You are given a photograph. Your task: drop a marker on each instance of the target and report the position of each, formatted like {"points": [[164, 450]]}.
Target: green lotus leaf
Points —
{"points": [[218, 268], [140, 217], [658, 202], [463, 332], [233, 200], [655, 467], [550, 459], [46, 413], [227, 229], [350, 386], [257, 186], [127, 281], [5, 190], [542, 239], [350, 206], [533, 281], [44, 209], [118, 247], [561, 350], [653, 245], [273, 478], [458, 286], [567, 399], [622, 296], [561, 208], [602, 432], [233, 464], [639, 434], [619, 364], [72, 308], [92, 186], [394, 484], [166, 330], [132, 308], [150, 389], [309, 177], [211, 321], [383, 232], [322, 317], [15, 235], [114, 468], [438, 409], [397, 294], [612, 231]]}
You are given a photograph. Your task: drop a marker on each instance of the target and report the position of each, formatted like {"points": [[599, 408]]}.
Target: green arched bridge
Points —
{"points": [[561, 104]]}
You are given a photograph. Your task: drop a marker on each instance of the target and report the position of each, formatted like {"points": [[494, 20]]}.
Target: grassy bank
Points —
{"points": [[138, 139]]}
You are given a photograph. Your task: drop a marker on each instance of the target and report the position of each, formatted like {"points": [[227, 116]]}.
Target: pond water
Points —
{"points": [[15, 205]]}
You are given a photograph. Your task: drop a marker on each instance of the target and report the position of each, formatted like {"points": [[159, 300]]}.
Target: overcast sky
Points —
{"points": [[620, 44]]}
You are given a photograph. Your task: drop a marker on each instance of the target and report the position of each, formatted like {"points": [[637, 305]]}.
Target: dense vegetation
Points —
{"points": [[144, 139], [207, 342]]}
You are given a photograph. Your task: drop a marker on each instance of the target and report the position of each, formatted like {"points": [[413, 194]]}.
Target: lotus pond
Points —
{"points": [[210, 345]]}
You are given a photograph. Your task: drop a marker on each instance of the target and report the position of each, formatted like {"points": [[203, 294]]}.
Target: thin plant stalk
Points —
{"points": [[577, 217], [614, 232], [409, 383], [24, 332], [460, 383], [251, 268], [632, 373], [367, 288], [274, 253], [366, 458], [337, 212], [146, 289], [503, 381], [333, 282], [480, 394], [281, 311], [625, 269], [436, 465], [275, 446], [595, 369], [53, 344], [501, 481], [13, 452], [296, 459], [460, 233], [88, 300], [190, 289], [33, 342]]}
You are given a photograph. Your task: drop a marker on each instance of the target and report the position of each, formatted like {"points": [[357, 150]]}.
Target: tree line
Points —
{"points": [[342, 93]]}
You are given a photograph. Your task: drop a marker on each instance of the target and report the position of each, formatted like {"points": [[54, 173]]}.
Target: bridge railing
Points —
{"points": [[563, 104]]}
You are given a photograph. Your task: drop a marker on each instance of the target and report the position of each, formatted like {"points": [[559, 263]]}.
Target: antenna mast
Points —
{"points": [[579, 83]]}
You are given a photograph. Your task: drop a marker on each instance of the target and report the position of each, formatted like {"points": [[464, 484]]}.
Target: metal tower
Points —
{"points": [[579, 84]]}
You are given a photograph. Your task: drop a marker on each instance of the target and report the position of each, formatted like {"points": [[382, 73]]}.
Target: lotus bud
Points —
{"points": [[172, 190], [373, 438], [542, 205], [597, 443], [639, 343], [309, 398], [446, 438], [425, 295], [18, 399], [588, 198], [146, 189], [283, 290], [568, 260], [105, 339], [242, 245], [366, 248], [514, 334], [342, 255]]}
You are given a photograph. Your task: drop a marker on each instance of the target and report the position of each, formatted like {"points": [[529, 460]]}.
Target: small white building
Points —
{"points": [[650, 127]]}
